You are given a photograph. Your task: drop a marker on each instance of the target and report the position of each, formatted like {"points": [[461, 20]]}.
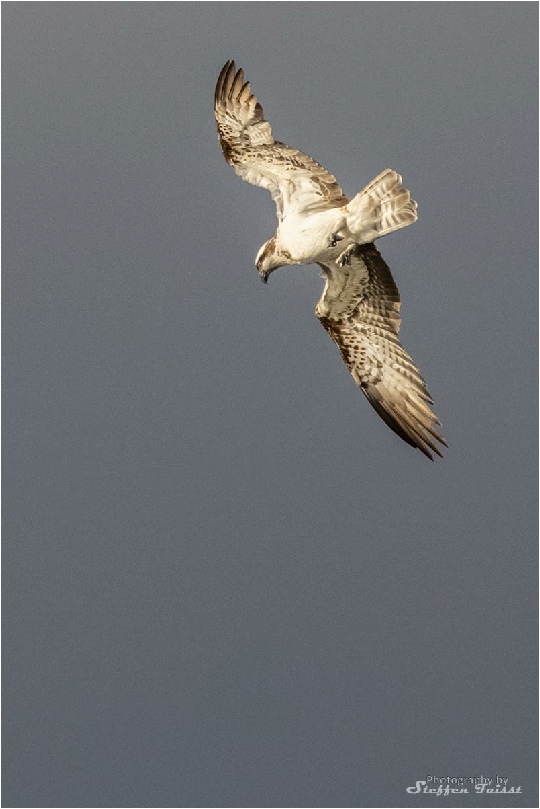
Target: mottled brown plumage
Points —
{"points": [[360, 311], [360, 305], [247, 144]]}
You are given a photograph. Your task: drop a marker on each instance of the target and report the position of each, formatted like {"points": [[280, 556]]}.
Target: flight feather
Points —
{"points": [[360, 310], [295, 180]]}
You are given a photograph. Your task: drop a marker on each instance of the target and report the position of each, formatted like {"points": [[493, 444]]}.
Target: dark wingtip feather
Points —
{"points": [[410, 431], [228, 68]]}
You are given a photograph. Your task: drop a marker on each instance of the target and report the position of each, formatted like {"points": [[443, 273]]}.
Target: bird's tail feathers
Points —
{"points": [[380, 208]]}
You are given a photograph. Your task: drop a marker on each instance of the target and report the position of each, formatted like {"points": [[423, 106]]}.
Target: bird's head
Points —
{"points": [[268, 259]]}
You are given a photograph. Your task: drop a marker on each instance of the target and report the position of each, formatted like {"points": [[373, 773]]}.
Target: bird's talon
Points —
{"points": [[335, 239], [345, 257]]}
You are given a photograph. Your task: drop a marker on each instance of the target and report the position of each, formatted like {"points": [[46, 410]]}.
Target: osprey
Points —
{"points": [[318, 224]]}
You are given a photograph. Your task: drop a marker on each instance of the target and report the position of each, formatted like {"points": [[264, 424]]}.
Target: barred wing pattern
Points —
{"points": [[297, 183], [360, 311]]}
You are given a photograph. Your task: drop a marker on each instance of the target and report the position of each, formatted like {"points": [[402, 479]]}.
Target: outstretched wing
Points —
{"points": [[296, 181], [360, 311]]}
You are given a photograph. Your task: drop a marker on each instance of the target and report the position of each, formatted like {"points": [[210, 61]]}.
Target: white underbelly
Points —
{"points": [[308, 238]]}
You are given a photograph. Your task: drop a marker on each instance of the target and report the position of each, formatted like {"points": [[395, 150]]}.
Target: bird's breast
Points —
{"points": [[308, 238]]}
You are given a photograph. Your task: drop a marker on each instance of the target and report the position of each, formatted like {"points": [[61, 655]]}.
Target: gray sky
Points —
{"points": [[226, 581]]}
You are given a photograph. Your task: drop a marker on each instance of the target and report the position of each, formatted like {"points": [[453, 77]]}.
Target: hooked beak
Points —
{"points": [[264, 276]]}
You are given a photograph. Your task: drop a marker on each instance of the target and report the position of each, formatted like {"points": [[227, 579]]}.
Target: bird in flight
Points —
{"points": [[318, 224]]}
